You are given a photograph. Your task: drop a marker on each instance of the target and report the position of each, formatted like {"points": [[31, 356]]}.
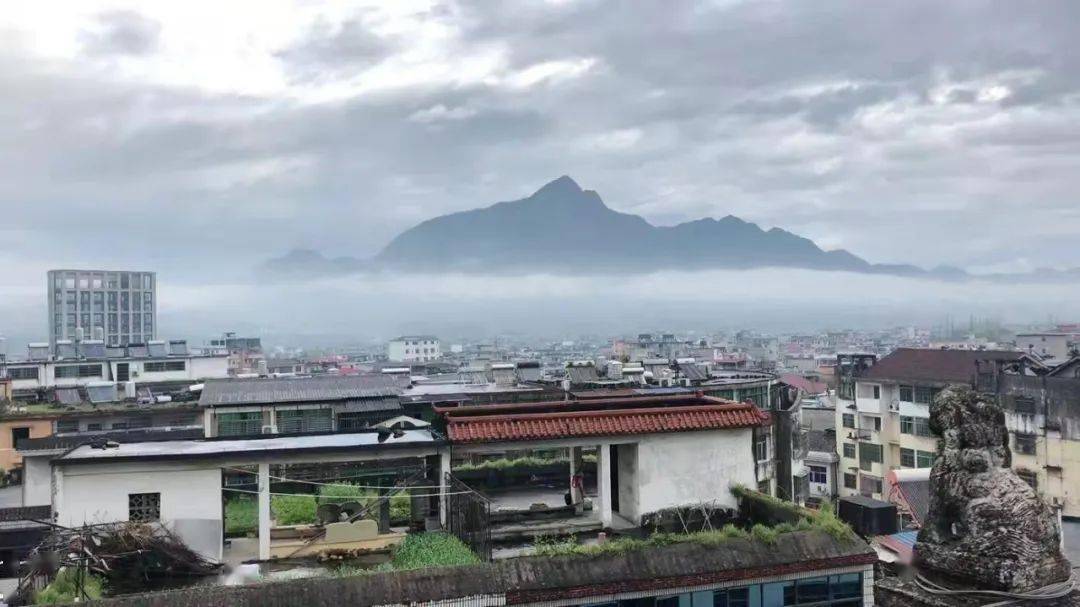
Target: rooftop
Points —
{"points": [[598, 417], [225, 392], [232, 448], [919, 364], [552, 580]]}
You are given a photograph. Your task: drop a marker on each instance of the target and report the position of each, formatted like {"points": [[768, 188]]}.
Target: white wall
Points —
{"points": [[190, 497], [690, 467], [37, 479]]}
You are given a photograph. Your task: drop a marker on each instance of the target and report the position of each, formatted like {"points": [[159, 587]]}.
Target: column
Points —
{"points": [[264, 511], [444, 471], [384, 506], [603, 481]]}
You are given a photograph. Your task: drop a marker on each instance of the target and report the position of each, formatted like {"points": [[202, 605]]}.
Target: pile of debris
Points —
{"points": [[130, 557]]}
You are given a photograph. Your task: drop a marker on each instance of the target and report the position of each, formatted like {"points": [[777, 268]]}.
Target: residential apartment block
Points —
{"points": [[883, 410], [117, 307], [414, 348]]}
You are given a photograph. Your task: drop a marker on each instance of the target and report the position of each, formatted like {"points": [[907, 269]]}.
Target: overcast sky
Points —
{"points": [[199, 138]]}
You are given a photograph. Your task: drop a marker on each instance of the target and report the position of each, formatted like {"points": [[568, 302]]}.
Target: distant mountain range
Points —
{"points": [[562, 228]]}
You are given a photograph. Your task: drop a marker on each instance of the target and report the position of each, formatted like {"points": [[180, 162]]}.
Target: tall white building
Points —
{"points": [[117, 307], [414, 348]]}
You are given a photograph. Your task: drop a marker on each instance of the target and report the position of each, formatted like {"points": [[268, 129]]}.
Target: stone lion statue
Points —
{"points": [[985, 527]]}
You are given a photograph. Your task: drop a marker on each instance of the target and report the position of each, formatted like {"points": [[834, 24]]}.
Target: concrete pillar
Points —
{"points": [[264, 511], [444, 471], [384, 507], [603, 482]]}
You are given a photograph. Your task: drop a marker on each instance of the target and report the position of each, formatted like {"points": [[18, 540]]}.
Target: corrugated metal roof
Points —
{"points": [[215, 448], [693, 372], [294, 390]]}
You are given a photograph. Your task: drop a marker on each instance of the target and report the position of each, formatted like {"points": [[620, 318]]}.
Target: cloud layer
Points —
{"points": [[198, 140]]}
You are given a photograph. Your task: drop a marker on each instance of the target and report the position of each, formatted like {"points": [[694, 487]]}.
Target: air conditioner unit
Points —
{"points": [[267, 429]]}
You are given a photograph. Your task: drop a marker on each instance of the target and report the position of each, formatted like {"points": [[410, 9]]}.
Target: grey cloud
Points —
{"points": [[328, 52], [122, 33], [724, 98]]}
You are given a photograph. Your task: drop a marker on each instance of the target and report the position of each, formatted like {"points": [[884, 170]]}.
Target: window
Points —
{"points": [[761, 447], [1024, 404], [305, 420], [239, 424], [164, 365], [907, 458], [907, 424], [849, 420], [18, 434], [876, 422], [870, 452], [120, 426], [77, 371], [819, 474], [67, 425], [849, 481], [22, 372], [924, 459], [869, 485], [1024, 443], [1029, 477], [877, 392], [144, 507], [94, 427], [925, 394], [922, 426], [907, 394], [849, 450]]}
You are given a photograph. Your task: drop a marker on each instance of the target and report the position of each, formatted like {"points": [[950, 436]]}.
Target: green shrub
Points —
{"points": [[63, 590], [293, 509], [241, 516], [764, 534], [421, 550]]}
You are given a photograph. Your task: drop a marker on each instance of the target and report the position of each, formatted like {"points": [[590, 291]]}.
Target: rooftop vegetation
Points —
{"points": [[420, 551], [822, 521]]}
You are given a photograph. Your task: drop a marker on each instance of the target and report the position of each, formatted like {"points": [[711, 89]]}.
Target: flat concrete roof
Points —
{"points": [[230, 448]]}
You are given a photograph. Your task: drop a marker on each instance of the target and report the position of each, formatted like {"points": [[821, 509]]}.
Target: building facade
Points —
{"points": [[117, 307], [414, 348], [883, 411]]}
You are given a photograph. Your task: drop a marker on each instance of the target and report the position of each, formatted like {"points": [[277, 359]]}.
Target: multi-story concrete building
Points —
{"points": [[414, 348], [1042, 412], [883, 410], [1054, 347], [117, 307]]}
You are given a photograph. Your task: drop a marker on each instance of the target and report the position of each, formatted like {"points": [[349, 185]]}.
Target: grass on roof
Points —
{"points": [[420, 551], [824, 521]]}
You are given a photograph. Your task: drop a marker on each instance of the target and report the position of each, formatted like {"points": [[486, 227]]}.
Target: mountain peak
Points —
{"points": [[562, 185]]}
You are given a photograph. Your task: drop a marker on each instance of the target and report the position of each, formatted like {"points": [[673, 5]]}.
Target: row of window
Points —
{"points": [[111, 280], [78, 371], [164, 365], [87, 301], [825, 591], [296, 421], [67, 426], [913, 458], [918, 426]]}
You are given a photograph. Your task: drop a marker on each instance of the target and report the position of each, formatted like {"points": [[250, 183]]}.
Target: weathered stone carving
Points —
{"points": [[986, 526]]}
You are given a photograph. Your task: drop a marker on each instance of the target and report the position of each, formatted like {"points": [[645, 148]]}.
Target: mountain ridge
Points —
{"points": [[564, 228]]}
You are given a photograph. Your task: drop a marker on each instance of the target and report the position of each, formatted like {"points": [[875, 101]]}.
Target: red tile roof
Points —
{"points": [[606, 422], [809, 386]]}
